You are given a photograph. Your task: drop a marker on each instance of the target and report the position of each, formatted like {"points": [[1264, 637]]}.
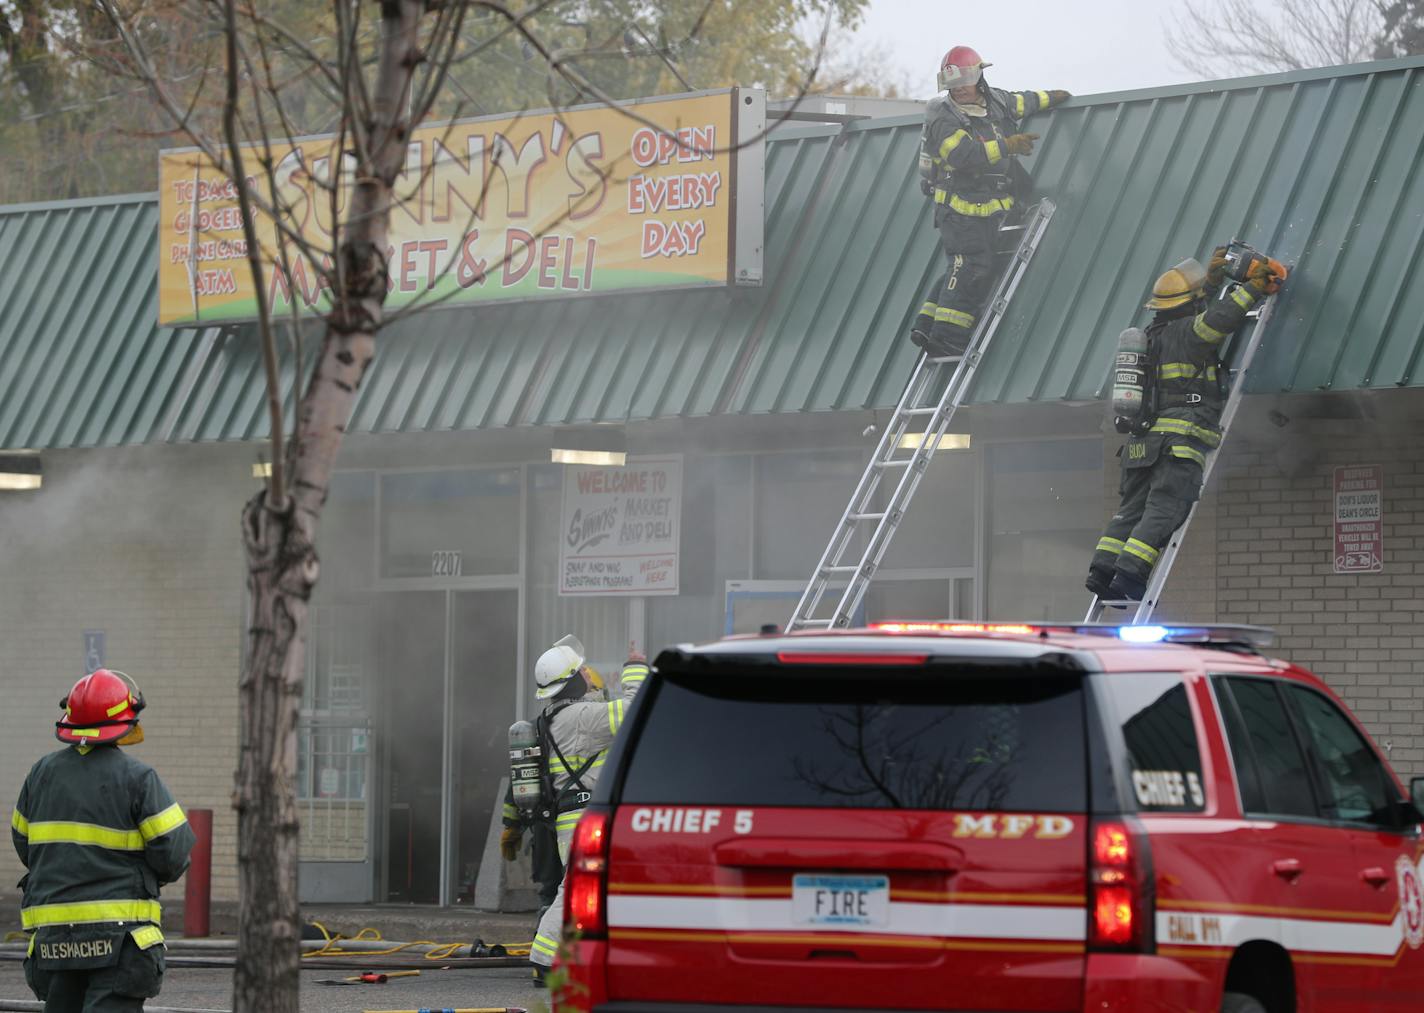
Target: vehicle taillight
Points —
{"points": [[1120, 904], [585, 893]]}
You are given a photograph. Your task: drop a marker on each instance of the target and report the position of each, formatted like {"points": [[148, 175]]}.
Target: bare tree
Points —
{"points": [[1216, 38], [380, 77], [1402, 32]]}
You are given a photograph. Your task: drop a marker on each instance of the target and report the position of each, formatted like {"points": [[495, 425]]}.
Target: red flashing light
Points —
{"points": [[946, 627], [848, 658], [585, 893]]}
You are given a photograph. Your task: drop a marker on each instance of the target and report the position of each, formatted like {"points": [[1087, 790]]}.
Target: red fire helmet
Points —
{"points": [[960, 68], [102, 707]]}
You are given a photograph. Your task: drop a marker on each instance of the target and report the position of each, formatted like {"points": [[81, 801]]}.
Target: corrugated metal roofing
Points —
{"points": [[81, 362], [1321, 168]]}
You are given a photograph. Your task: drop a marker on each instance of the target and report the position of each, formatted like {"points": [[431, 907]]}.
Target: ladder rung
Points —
{"points": [[892, 464], [947, 358], [839, 569], [801, 624], [867, 517]]}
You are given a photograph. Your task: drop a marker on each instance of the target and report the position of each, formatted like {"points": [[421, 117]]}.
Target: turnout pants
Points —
{"points": [[953, 303], [1159, 485], [119, 988], [551, 923]]}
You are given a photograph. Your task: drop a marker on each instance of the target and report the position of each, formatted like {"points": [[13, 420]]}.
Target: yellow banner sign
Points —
{"points": [[588, 200]]}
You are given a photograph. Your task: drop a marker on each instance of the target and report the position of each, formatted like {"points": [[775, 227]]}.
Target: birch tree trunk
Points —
{"points": [[280, 538]]}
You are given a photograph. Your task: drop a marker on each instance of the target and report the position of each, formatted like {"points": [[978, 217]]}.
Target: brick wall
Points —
{"points": [[1262, 551], [144, 545]]}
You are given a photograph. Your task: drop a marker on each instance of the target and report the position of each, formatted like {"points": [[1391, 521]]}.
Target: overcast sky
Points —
{"points": [[1084, 46]]}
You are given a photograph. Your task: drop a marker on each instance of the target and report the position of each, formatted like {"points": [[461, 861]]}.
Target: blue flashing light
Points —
{"points": [[1143, 634]]}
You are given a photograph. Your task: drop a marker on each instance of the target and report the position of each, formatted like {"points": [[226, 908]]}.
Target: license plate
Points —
{"points": [[840, 900]]}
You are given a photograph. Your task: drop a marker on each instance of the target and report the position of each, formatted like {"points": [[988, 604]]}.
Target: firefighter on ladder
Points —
{"points": [[99, 834], [1163, 459], [969, 152], [575, 731]]}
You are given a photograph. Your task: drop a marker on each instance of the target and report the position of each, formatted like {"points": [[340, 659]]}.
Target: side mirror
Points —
{"points": [[1416, 792]]}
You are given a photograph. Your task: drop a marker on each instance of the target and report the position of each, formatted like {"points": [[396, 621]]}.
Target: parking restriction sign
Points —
{"points": [[1359, 519]]}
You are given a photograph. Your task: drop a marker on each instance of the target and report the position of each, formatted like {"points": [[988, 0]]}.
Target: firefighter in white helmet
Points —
{"points": [[575, 730]]}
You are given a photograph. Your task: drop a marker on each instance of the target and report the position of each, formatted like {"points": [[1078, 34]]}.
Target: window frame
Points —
{"points": [[1292, 722], [1315, 774], [1321, 778]]}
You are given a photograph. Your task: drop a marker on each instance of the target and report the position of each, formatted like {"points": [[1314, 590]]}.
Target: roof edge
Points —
{"points": [[149, 197], [1255, 81], [1194, 88]]}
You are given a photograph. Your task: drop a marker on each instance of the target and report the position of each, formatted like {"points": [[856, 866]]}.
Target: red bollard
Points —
{"points": [[198, 885]]}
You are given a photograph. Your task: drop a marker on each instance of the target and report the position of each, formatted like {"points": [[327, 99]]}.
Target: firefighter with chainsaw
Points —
{"points": [[969, 164], [99, 834], [569, 745], [1170, 387]]}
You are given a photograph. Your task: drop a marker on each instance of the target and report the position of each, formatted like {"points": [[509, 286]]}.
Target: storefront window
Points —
{"points": [[450, 523], [716, 536], [348, 533], [1044, 514], [938, 529], [800, 497], [334, 735], [600, 621]]}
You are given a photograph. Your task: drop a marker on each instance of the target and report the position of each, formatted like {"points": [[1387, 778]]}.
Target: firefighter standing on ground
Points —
{"points": [[575, 729], [546, 867], [1163, 460], [969, 164], [99, 834]]}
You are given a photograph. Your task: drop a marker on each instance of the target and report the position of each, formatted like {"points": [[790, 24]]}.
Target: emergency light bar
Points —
{"points": [[914, 626], [1254, 637]]}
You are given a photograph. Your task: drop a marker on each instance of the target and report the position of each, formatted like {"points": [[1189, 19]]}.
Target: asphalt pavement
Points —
{"points": [[211, 989]]}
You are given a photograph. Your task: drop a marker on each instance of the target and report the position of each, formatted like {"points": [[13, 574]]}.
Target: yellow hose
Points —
{"points": [[437, 951]]}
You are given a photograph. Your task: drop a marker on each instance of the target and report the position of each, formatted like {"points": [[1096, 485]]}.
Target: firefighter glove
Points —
{"points": [[1020, 144], [509, 842], [1057, 97], [1216, 270], [926, 187], [1265, 276]]}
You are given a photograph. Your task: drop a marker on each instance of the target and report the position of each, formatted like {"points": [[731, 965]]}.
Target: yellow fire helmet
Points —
{"points": [[1180, 284]]}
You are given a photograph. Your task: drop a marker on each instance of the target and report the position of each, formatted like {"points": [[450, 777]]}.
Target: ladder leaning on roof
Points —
{"points": [[1141, 611], [936, 389]]}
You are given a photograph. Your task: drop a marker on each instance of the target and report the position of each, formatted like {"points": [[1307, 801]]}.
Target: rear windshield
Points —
{"points": [[1009, 742]]}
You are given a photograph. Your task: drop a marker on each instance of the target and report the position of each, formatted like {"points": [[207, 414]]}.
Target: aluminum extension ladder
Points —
{"points": [[1141, 611], [936, 389]]}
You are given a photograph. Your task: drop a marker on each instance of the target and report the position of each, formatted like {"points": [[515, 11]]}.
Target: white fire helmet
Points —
{"points": [[555, 668]]}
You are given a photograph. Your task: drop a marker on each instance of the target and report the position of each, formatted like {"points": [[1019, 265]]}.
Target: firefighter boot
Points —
{"points": [[1126, 587], [1099, 581]]}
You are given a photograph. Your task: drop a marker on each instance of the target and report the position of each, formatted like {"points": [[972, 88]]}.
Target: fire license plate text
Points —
{"points": [[840, 900]]}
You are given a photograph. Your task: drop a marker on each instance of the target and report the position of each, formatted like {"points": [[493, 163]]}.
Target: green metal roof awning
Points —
{"points": [[1320, 168], [81, 362]]}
